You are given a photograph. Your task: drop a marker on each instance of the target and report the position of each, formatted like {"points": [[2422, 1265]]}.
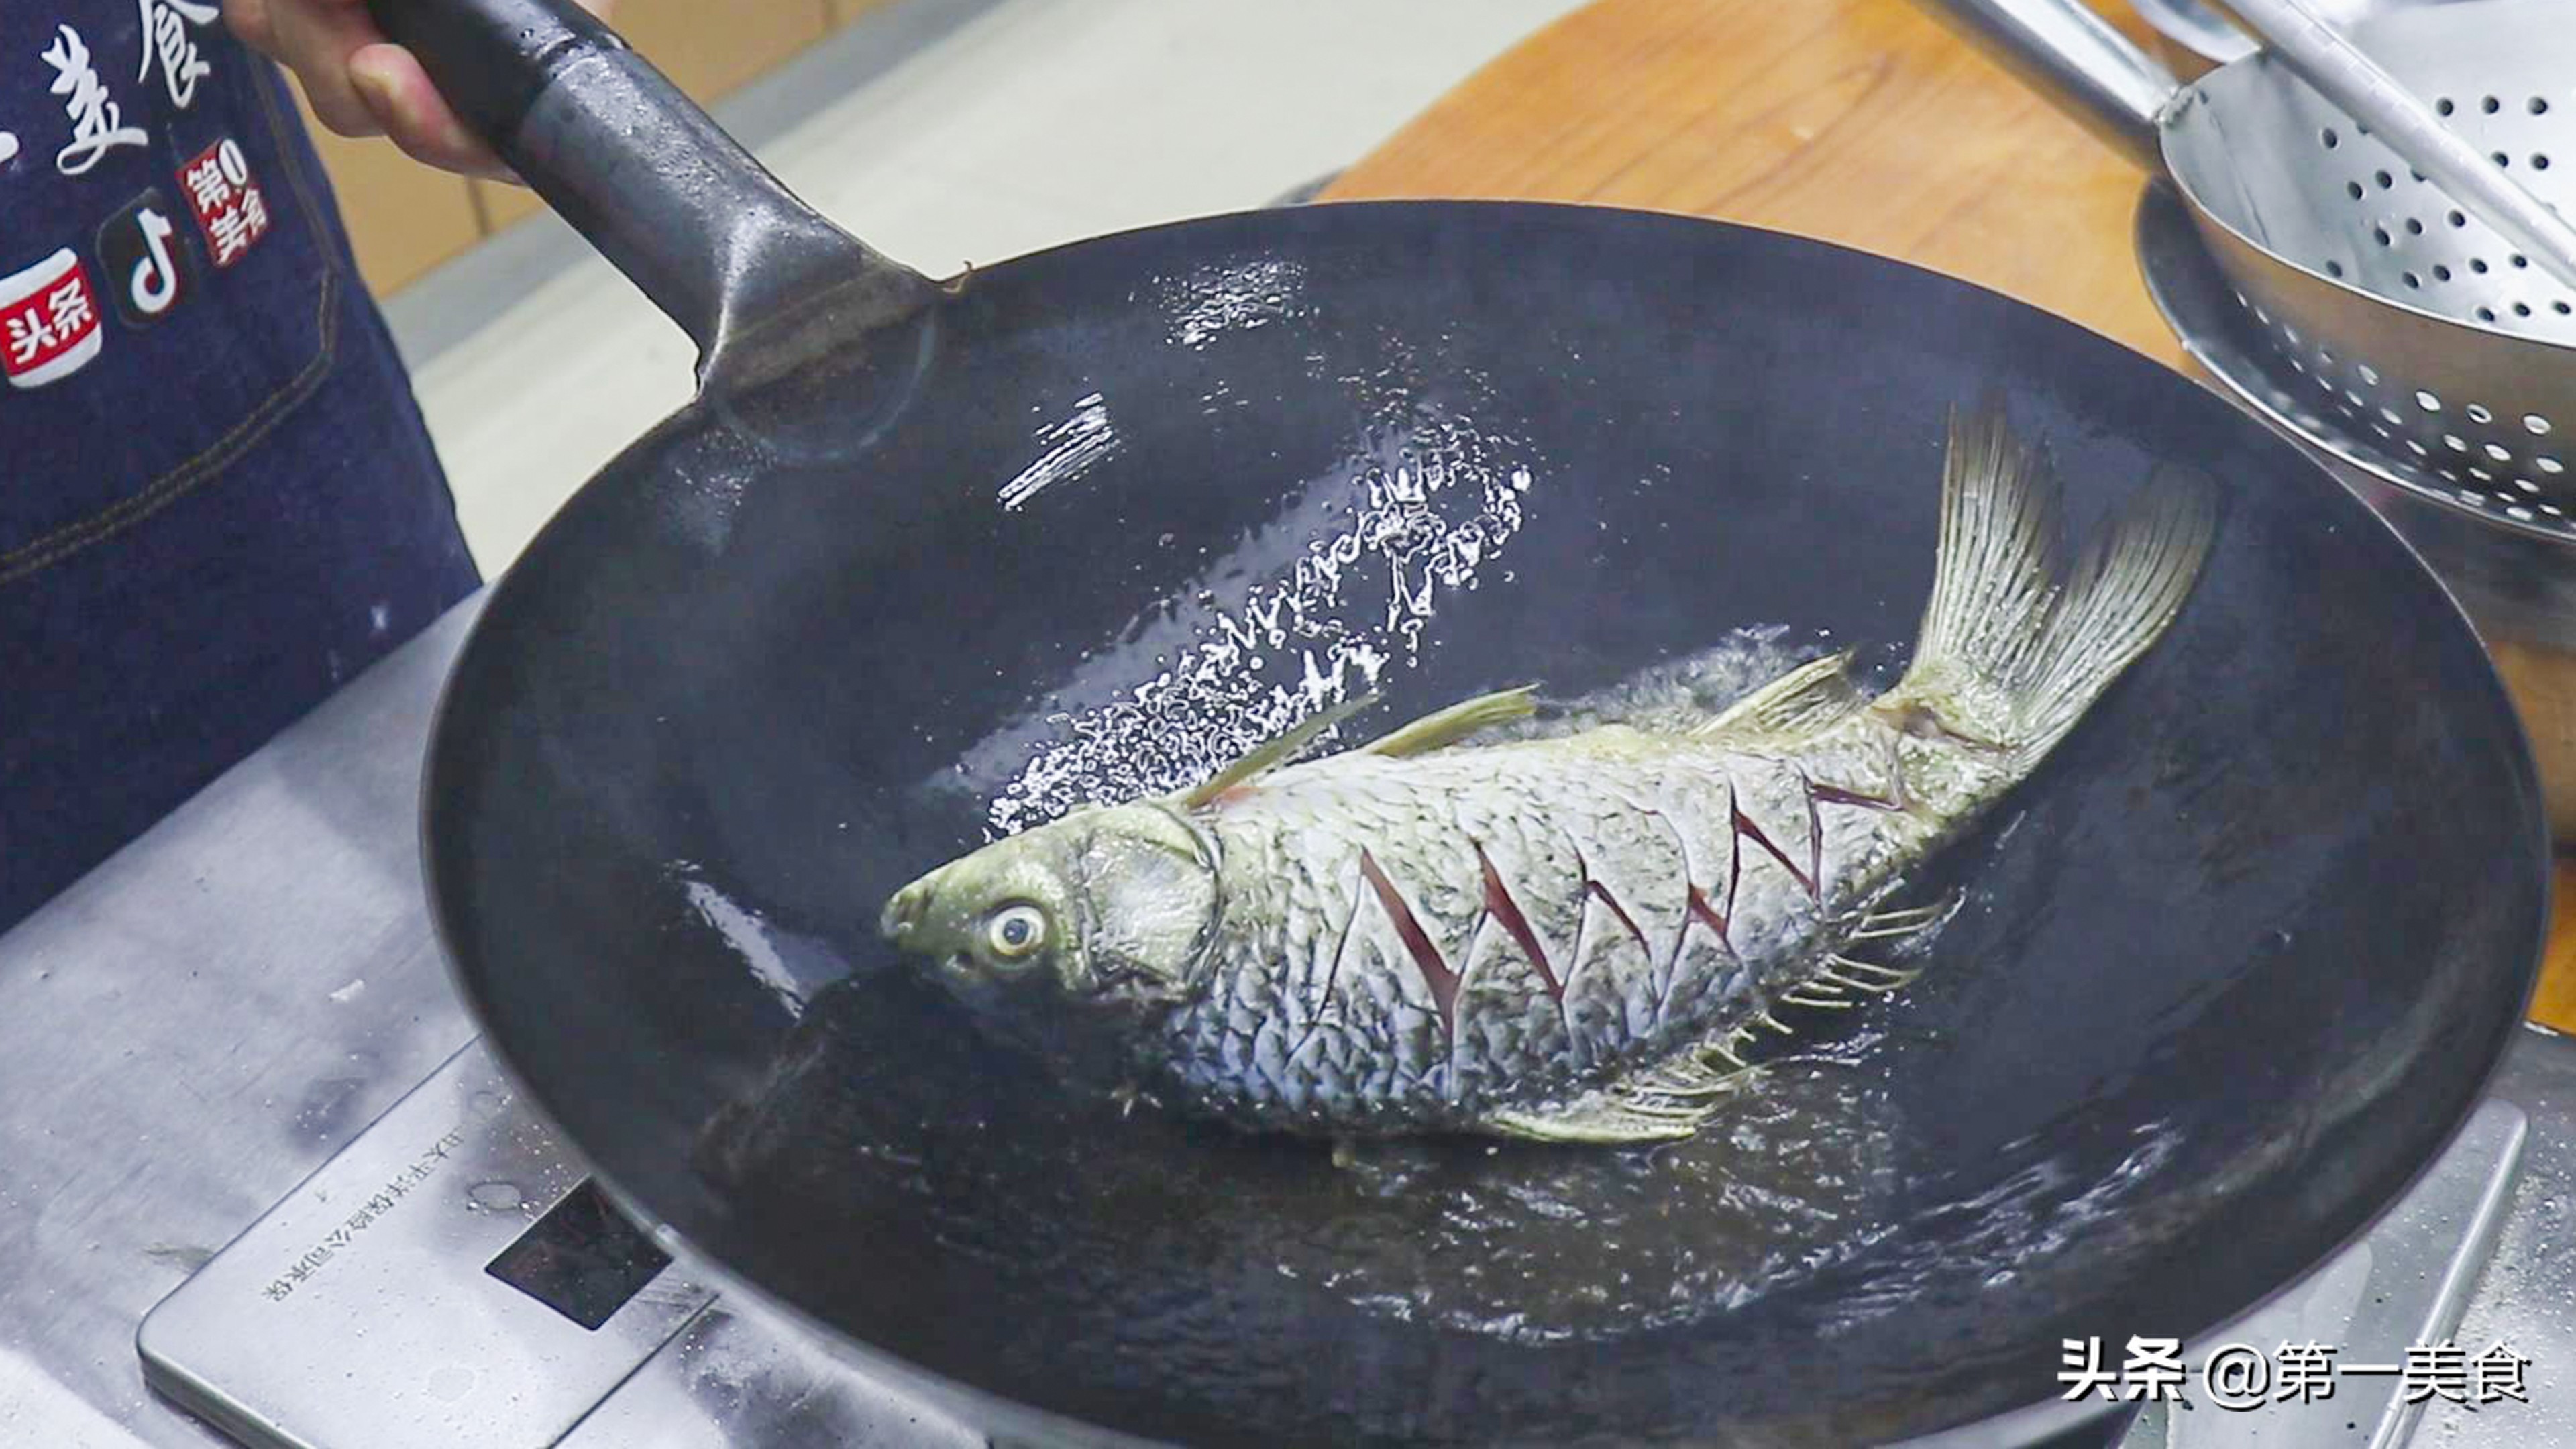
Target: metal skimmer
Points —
{"points": [[2414, 323], [2207, 35]]}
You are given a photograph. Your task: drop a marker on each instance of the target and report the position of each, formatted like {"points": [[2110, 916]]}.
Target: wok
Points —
{"points": [[926, 560]]}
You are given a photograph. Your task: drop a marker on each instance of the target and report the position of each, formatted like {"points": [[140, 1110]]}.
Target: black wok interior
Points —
{"points": [[2236, 964]]}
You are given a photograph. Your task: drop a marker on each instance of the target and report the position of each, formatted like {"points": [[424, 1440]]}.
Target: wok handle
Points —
{"points": [[2090, 71], [691, 218]]}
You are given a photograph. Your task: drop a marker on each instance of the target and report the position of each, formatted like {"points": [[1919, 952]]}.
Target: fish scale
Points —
{"points": [[1697, 806]]}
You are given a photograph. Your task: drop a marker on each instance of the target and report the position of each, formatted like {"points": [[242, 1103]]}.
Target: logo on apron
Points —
{"points": [[166, 39], [230, 208], [98, 123], [49, 327], [145, 266]]}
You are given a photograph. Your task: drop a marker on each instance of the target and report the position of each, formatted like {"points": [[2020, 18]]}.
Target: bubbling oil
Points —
{"points": [[1796, 1172]]}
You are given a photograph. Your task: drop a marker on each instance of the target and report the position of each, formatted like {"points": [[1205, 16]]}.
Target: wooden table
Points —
{"points": [[1862, 122]]}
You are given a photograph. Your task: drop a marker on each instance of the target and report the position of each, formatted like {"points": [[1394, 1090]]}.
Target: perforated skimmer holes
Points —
{"points": [[2514, 463], [2408, 242], [2426, 252]]}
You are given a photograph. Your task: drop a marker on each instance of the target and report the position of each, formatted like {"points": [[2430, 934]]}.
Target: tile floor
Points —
{"points": [[944, 132]]}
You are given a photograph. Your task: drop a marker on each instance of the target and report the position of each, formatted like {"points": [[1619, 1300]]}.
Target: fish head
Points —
{"points": [[1105, 908]]}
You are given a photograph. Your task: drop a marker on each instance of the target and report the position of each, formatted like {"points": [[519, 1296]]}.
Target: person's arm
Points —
{"points": [[359, 83]]}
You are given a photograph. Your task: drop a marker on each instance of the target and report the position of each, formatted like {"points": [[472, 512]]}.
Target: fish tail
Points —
{"points": [[2017, 644]]}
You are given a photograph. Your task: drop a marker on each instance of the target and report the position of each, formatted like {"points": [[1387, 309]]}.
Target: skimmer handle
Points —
{"points": [[2090, 71]]}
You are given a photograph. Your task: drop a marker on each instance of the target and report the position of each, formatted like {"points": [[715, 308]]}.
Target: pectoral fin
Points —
{"points": [[1597, 1121], [1665, 1103], [1668, 1102]]}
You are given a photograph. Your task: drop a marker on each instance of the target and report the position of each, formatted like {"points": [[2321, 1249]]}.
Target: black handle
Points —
{"points": [[689, 216]]}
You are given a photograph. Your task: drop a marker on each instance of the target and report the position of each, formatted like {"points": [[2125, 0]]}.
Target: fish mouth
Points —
{"points": [[905, 910]]}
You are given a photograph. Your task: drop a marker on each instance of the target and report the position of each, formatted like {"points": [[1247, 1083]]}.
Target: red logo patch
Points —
{"points": [[231, 210], [49, 325]]}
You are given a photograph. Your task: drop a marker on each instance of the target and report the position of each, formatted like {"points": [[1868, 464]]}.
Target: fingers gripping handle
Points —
{"points": [[638, 169], [491, 59]]}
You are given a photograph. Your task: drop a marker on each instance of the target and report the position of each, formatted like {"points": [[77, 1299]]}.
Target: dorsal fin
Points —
{"points": [[1262, 759], [1455, 723], [1811, 697]]}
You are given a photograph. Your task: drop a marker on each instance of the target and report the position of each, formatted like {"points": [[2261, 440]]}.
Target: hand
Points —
{"points": [[361, 84]]}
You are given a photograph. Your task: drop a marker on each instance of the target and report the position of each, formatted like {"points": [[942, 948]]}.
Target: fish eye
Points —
{"points": [[1015, 931]]}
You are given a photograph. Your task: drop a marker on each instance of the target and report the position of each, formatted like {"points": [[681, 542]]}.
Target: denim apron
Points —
{"points": [[217, 498]]}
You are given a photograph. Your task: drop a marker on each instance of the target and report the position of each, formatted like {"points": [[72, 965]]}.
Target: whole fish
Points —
{"points": [[1563, 939]]}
